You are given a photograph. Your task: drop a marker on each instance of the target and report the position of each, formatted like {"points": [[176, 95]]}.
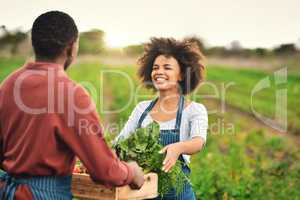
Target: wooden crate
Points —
{"points": [[84, 188]]}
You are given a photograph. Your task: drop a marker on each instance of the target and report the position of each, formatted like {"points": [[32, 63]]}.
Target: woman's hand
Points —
{"points": [[172, 152]]}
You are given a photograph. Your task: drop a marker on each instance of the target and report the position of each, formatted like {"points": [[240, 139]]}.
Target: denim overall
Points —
{"points": [[42, 188], [169, 137]]}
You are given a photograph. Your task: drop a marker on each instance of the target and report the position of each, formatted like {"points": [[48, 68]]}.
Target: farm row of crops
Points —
{"points": [[240, 160]]}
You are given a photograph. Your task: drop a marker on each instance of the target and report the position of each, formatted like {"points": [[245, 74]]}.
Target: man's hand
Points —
{"points": [[138, 176]]}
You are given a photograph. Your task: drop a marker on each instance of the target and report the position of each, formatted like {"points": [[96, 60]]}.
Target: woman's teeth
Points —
{"points": [[160, 79]]}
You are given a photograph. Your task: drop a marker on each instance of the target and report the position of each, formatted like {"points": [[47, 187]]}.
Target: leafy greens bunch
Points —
{"points": [[143, 146]]}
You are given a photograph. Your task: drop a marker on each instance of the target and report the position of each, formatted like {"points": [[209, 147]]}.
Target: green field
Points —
{"points": [[247, 163], [243, 158]]}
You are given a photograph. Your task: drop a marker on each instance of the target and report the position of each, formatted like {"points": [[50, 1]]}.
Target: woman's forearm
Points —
{"points": [[191, 146]]}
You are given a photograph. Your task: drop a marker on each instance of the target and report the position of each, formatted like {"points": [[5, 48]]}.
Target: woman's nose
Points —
{"points": [[160, 70]]}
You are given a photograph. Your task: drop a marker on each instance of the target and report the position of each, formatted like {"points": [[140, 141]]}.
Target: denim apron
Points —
{"points": [[41, 187], [168, 137]]}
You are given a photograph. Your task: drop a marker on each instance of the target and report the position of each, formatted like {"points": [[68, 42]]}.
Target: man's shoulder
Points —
{"points": [[11, 78], [66, 82]]}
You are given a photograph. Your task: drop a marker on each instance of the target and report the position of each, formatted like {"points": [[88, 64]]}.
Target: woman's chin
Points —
{"points": [[163, 88]]}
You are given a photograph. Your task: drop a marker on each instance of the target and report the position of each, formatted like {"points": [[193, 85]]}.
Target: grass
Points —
{"points": [[245, 163], [264, 101], [9, 65]]}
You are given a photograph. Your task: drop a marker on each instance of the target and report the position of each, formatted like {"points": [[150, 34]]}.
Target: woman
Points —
{"points": [[172, 68]]}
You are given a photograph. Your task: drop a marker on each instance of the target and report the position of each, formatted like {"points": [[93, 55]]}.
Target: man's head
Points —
{"points": [[55, 35]]}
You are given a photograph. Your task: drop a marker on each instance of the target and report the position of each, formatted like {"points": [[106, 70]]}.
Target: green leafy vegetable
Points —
{"points": [[143, 147]]}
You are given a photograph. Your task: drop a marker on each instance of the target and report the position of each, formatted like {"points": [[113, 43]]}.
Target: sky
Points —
{"points": [[255, 23]]}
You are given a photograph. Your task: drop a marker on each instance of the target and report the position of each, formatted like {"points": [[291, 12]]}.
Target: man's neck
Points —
{"points": [[58, 60]]}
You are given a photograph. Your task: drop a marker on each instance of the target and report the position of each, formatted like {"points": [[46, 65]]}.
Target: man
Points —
{"points": [[46, 119]]}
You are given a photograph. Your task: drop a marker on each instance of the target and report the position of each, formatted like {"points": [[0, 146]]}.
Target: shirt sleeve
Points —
{"points": [[80, 129], [1, 148], [1, 136], [131, 124], [198, 122]]}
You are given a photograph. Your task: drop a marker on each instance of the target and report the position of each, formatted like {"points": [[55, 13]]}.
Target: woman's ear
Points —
{"points": [[180, 77]]}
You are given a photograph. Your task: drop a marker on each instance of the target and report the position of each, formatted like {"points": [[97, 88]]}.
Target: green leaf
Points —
{"points": [[143, 147]]}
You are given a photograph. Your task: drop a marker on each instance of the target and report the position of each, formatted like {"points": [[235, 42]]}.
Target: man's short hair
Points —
{"points": [[51, 33]]}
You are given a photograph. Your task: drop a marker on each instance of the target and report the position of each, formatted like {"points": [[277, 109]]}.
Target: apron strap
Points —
{"points": [[146, 111], [179, 113]]}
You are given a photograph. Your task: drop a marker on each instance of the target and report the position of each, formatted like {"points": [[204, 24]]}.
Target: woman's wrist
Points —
{"points": [[190, 147], [180, 146]]}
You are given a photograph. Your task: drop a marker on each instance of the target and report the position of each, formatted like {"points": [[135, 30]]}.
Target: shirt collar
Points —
{"points": [[43, 66]]}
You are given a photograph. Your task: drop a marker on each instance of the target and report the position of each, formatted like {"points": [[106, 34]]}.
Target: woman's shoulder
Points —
{"points": [[195, 108], [142, 105]]}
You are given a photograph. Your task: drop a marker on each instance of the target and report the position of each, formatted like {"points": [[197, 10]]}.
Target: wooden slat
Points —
{"points": [[148, 191], [85, 189]]}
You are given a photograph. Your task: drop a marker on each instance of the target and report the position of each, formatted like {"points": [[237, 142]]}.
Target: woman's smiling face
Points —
{"points": [[165, 73]]}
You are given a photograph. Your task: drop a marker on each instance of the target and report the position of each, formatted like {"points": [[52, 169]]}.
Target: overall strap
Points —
{"points": [[147, 110], [179, 113]]}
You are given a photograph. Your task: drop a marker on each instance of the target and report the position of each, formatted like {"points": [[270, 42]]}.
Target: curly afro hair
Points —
{"points": [[51, 33], [189, 61]]}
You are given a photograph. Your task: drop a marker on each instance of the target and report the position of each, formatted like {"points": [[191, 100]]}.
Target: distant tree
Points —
{"points": [[92, 42], [285, 49], [236, 49], [261, 52], [217, 51], [235, 46], [246, 52], [297, 45], [12, 38], [133, 50]]}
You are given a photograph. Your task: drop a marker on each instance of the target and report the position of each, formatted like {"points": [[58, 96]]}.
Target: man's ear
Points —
{"points": [[73, 48], [70, 49]]}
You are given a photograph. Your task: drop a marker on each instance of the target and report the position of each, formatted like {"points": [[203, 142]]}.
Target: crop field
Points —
{"points": [[243, 158]]}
